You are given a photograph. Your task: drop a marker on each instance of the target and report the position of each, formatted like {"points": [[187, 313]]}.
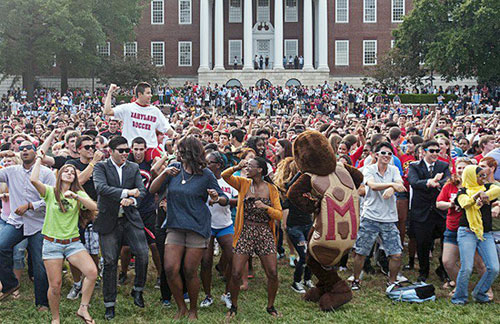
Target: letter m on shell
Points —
{"points": [[334, 209]]}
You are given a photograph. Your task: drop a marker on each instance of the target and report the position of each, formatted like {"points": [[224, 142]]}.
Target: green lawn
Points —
{"points": [[368, 306]]}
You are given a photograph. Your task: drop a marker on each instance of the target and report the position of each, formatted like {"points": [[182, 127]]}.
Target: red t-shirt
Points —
{"points": [[478, 158], [406, 159], [448, 193]]}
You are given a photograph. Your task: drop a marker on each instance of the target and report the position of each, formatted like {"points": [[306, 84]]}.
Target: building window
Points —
{"points": [[185, 53], [398, 10], [342, 11], [235, 11], [291, 11], [369, 52], [342, 52], [130, 49], [291, 47], [370, 11], [157, 12], [263, 10], [235, 47], [184, 12], [158, 53], [104, 50]]}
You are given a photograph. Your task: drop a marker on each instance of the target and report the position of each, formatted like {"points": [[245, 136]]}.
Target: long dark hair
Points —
{"points": [[265, 171], [85, 215], [287, 149], [193, 153]]}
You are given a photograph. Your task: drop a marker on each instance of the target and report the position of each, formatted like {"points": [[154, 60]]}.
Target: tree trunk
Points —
{"points": [[29, 80], [64, 76]]}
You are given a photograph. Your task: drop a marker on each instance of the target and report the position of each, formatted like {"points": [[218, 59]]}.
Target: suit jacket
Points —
{"points": [[424, 198], [109, 191]]}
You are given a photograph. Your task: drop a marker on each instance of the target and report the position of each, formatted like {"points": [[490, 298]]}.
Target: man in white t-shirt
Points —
{"points": [[140, 118]]}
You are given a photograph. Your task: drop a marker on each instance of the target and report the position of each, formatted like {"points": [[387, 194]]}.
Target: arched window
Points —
{"points": [[293, 83], [263, 82], [233, 83]]}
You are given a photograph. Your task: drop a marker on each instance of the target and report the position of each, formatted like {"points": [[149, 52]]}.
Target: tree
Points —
{"points": [[33, 32], [455, 38], [24, 45], [127, 72]]}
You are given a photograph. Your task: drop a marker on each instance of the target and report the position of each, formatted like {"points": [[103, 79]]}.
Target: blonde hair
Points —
{"points": [[285, 172]]}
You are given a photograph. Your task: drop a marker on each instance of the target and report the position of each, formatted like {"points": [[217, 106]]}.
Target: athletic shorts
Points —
{"points": [[220, 232]]}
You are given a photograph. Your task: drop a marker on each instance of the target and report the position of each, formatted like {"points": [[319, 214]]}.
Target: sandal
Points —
{"points": [[86, 320], [14, 292], [272, 311]]}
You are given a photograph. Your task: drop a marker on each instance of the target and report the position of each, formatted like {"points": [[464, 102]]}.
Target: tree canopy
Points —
{"points": [[35, 33], [455, 38]]}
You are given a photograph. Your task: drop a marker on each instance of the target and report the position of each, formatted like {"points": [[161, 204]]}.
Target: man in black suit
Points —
{"points": [[120, 189], [426, 178]]}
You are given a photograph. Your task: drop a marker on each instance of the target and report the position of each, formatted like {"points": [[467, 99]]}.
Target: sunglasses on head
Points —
{"points": [[88, 147], [28, 147], [123, 150], [385, 153], [432, 150]]}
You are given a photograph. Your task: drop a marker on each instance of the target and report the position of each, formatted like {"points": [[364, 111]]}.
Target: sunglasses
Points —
{"points": [[123, 150], [385, 153], [432, 150], [28, 147], [19, 142], [88, 147]]}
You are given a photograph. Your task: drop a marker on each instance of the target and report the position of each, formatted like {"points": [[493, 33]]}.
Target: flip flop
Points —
{"points": [[10, 292]]}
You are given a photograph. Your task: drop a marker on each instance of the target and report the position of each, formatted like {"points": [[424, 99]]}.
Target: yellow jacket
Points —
{"points": [[242, 185]]}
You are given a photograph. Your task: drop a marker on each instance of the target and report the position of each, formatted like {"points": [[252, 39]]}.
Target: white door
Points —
{"points": [[263, 48]]}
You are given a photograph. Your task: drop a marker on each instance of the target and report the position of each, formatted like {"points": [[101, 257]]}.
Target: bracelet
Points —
{"points": [[92, 164]]}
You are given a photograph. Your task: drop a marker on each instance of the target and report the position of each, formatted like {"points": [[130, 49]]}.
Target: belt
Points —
{"points": [[67, 241]]}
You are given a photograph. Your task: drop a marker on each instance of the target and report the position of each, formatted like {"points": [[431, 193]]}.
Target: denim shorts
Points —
{"points": [[91, 240], [52, 250], [220, 232], [368, 232], [450, 237]]}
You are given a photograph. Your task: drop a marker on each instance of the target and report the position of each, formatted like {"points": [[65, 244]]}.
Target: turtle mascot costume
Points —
{"points": [[328, 190]]}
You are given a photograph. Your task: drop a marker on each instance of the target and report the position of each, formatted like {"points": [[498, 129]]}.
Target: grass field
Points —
{"points": [[369, 305]]}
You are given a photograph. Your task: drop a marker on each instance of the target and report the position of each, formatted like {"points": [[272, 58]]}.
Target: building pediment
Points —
{"points": [[263, 27]]}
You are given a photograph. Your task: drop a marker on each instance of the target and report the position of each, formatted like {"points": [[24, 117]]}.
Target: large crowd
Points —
{"points": [[94, 180]]}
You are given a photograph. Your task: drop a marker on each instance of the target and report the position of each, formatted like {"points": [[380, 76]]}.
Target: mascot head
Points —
{"points": [[314, 154]]}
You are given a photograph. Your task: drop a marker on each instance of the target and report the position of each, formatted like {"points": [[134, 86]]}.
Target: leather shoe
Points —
{"points": [[138, 299], [110, 313]]}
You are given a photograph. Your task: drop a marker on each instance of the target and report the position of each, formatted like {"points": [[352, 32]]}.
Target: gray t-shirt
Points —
{"points": [[375, 207]]}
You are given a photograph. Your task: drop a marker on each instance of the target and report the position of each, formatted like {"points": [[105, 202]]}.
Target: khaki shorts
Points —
{"points": [[186, 238]]}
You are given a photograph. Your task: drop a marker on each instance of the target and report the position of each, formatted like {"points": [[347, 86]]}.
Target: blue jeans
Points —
{"points": [[467, 244], [10, 237], [298, 236], [19, 250]]}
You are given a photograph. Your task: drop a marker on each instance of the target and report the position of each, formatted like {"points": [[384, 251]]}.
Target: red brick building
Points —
{"points": [[219, 40]]}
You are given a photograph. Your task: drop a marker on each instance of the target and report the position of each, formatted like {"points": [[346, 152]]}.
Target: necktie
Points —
{"points": [[431, 169]]}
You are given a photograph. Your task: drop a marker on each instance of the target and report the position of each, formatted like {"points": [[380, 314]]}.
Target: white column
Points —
{"points": [[204, 36], [247, 35], [219, 35], [323, 36], [278, 35], [308, 35]]}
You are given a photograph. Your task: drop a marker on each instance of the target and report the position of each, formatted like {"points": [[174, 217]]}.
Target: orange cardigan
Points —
{"points": [[242, 185]]}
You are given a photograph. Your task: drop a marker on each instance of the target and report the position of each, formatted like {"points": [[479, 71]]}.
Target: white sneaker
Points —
{"points": [[207, 302], [226, 298], [342, 269], [308, 283], [351, 278], [75, 292], [216, 248], [401, 278], [297, 287]]}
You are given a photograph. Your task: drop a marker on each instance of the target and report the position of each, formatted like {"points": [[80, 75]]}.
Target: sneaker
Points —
{"points": [[207, 301], [132, 263], [122, 279], [342, 269], [281, 256], [297, 287], [361, 276], [216, 248], [355, 285], [293, 260], [383, 264], [157, 285], [401, 278], [308, 283], [226, 298], [186, 298], [75, 291], [166, 303]]}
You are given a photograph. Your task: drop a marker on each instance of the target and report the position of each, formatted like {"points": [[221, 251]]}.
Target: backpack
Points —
{"points": [[416, 293]]}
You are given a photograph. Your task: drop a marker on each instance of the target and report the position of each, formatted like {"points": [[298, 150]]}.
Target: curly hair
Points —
{"points": [[193, 153]]}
